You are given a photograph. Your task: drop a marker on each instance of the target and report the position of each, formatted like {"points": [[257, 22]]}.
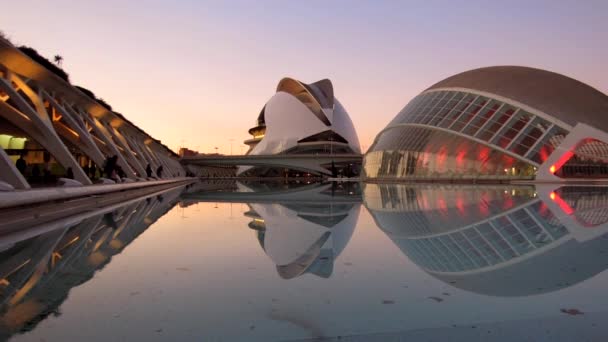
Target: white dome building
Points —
{"points": [[302, 119]]}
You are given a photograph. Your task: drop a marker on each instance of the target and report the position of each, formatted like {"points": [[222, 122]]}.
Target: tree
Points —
{"points": [[58, 60]]}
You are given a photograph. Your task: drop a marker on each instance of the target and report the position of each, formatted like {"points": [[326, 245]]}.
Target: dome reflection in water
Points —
{"points": [[496, 240]]}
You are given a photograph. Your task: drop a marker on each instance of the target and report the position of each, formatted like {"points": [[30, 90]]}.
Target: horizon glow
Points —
{"points": [[196, 74]]}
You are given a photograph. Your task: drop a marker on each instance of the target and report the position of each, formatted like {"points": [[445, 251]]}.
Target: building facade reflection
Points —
{"points": [[301, 227], [37, 273], [497, 240]]}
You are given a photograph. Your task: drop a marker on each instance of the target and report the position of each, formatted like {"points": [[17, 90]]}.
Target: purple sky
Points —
{"points": [[197, 73]]}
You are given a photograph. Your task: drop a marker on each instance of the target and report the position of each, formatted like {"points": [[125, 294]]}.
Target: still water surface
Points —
{"points": [[349, 262]]}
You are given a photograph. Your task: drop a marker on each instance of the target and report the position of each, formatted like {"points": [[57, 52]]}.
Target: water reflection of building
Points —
{"points": [[36, 274], [303, 238], [306, 234], [499, 240], [301, 227]]}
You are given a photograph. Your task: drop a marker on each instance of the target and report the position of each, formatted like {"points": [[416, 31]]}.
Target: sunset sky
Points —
{"points": [[197, 73]]}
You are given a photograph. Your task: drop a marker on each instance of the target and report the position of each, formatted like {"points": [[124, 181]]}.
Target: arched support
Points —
{"points": [[137, 153], [126, 148], [143, 153], [86, 141], [152, 154], [38, 125], [562, 153], [104, 135]]}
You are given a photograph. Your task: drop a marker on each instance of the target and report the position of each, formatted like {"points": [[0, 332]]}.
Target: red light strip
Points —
{"points": [[567, 209]]}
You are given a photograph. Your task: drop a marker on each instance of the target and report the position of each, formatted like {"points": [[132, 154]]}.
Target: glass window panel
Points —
{"points": [[515, 127], [496, 123], [469, 113], [482, 118], [460, 107]]}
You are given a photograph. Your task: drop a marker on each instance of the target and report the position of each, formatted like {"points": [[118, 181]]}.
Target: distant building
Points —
{"points": [[302, 119], [185, 152], [504, 122]]}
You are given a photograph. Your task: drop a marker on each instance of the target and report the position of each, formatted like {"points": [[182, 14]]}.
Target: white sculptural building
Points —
{"points": [[302, 119]]}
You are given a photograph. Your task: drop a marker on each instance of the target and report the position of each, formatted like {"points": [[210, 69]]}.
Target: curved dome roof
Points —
{"points": [[560, 96]]}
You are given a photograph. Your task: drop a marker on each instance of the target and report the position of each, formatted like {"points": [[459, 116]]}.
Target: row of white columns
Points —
{"points": [[48, 119]]}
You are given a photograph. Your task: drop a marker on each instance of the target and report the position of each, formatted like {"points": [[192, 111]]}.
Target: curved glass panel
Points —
{"points": [[425, 153], [502, 125]]}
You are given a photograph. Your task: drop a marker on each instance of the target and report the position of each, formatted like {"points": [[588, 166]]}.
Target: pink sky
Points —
{"points": [[197, 74]]}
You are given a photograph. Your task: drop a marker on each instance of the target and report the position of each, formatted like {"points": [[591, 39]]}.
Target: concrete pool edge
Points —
{"points": [[19, 198]]}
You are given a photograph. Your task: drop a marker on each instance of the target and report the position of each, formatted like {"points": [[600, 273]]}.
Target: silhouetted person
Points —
{"points": [[46, 170], [120, 172], [35, 172], [86, 170], [110, 221], [21, 165], [159, 172], [149, 171], [93, 170], [109, 168], [69, 173]]}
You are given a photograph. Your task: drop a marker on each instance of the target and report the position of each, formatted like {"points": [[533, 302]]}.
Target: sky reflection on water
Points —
{"points": [[236, 261]]}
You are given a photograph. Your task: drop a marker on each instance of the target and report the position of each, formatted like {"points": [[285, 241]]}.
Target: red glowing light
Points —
{"points": [[562, 160], [460, 204], [442, 206], [567, 209]]}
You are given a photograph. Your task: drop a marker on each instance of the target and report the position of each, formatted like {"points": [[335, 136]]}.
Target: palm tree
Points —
{"points": [[58, 60]]}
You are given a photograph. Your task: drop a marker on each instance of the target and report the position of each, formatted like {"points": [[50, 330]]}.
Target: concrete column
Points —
{"points": [[10, 174], [142, 152], [142, 158], [103, 134], [153, 154], [38, 126], [128, 153], [90, 148]]}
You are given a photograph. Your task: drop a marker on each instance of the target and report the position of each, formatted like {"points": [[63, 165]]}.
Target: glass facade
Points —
{"points": [[409, 150], [424, 153]]}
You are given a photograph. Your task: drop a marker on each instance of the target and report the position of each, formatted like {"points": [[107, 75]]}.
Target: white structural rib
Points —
{"points": [[53, 112]]}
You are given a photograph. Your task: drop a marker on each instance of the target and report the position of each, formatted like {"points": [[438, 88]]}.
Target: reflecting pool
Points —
{"points": [[236, 261]]}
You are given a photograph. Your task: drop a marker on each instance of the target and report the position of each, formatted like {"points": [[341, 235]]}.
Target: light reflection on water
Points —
{"points": [[252, 261]]}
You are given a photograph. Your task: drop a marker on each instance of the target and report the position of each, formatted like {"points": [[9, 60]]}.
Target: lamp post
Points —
{"points": [[231, 140]]}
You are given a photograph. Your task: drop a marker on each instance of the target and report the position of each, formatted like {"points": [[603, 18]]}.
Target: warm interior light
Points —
{"points": [[552, 169], [552, 195]]}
